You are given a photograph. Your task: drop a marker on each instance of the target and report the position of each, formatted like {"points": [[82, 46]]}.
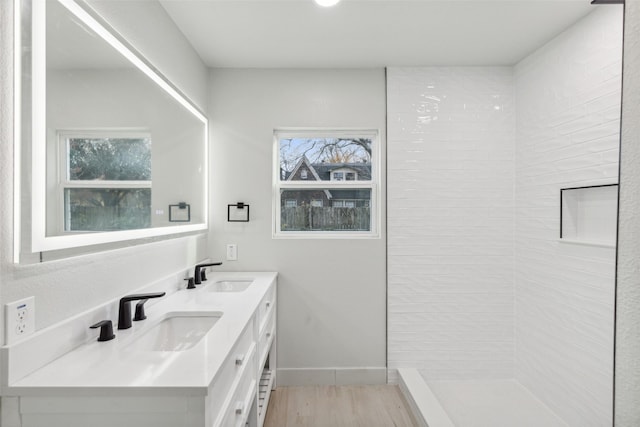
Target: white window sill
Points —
{"points": [[324, 235]]}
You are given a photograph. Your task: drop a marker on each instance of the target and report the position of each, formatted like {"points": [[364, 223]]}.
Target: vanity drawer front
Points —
{"points": [[266, 338], [234, 365], [243, 397], [267, 306]]}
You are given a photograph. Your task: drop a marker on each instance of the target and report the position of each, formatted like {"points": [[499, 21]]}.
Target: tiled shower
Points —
{"points": [[481, 287]]}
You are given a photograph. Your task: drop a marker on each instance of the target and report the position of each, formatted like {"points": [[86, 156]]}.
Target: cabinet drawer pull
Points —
{"points": [[268, 304], [239, 359], [268, 334], [239, 408]]}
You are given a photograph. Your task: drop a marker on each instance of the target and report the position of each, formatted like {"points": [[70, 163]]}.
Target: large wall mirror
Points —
{"points": [[117, 152]]}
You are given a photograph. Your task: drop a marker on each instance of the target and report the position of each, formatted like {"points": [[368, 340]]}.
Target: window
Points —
{"points": [[105, 180], [346, 204], [326, 183], [344, 175]]}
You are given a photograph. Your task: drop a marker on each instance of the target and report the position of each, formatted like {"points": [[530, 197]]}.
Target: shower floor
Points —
{"points": [[476, 403]]}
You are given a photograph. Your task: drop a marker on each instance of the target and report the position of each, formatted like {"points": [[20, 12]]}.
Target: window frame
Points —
{"points": [[373, 184], [63, 179]]}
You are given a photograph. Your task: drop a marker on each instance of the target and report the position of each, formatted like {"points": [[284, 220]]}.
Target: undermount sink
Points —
{"points": [[177, 332], [237, 285]]}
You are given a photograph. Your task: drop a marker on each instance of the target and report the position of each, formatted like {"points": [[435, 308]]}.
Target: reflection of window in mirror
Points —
{"points": [[105, 180]]}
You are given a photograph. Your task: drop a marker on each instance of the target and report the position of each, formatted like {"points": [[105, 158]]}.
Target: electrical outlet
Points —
{"points": [[232, 252], [20, 319]]}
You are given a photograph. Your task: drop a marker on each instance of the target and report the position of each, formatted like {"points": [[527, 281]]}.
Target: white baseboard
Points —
{"points": [[331, 376]]}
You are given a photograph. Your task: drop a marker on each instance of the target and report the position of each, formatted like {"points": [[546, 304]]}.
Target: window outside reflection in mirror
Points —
{"points": [[107, 181]]}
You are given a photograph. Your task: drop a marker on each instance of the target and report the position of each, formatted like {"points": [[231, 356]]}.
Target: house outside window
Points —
{"points": [[104, 180], [332, 176]]}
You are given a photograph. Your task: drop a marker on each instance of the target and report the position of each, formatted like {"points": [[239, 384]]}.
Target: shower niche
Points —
{"points": [[588, 215]]}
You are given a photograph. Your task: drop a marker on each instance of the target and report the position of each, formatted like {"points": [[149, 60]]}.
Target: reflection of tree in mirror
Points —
{"points": [[109, 159], [323, 150]]}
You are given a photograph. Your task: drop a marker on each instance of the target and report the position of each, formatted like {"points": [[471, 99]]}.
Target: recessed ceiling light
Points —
{"points": [[327, 3]]}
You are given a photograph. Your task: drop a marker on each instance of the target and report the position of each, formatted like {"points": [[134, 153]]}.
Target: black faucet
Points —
{"points": [[124, 312], [197, 276]]}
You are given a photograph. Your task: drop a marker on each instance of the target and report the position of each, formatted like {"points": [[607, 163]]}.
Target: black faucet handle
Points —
{"points": [[140, 310], [106, 330], [190, 283]]}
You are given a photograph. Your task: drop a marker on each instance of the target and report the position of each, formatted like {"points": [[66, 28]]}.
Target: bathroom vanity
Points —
{"points": [[203, 357]]}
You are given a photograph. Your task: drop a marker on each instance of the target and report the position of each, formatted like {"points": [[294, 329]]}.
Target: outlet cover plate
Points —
{"points": [[232, 252], [20, 319]]}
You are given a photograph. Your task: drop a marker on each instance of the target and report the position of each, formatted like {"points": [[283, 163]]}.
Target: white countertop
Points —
{"points": [[117, 367]]}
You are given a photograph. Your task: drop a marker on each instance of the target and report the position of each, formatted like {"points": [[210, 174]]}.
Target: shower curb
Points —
{"points": [[421, 400]]}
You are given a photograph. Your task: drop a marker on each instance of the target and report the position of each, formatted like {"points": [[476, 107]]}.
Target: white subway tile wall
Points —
{"points": [[568, 122], [450, 214], [479, 285]]}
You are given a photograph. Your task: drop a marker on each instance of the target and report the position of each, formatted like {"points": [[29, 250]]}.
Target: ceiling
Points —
{"points": [[370, 33]]}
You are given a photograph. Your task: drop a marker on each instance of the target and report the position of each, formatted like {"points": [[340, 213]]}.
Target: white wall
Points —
{"points": [[151, 30], [627, 372], [568, 110], [67, 287], [450, 221], [331, 303]]}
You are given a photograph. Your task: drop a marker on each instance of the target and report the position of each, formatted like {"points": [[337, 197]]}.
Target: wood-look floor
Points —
{"points": [[338, 406]]}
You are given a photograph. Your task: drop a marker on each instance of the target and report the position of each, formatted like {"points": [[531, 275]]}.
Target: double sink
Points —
{"points": [[180, 349]]}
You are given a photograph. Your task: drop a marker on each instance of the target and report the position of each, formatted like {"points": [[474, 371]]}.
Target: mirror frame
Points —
{"points": [[40, 242]]}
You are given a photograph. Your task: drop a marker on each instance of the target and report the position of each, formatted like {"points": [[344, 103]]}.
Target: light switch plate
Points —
{"points": [[232, 252], [20, 319]]}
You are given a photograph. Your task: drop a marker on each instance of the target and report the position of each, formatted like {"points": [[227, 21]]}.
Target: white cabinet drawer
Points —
{"points": [[234, 365], [266, 338], [239, 406], [266, 306]]}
